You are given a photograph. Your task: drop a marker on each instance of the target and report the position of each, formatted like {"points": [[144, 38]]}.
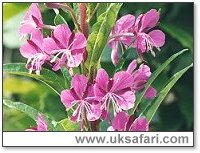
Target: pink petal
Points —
{"points": [[75, 60], [121, 80], [37, 38], [124, 23], [140, 124], [50, 46], [62, 33], [27, 28], [67, 98], [145, 69], [132, 66], [102, 79], [79, 83], [140, 44], [137, 25], [143, 72], [99, 93], [95, 112], [119, 121], [33, 11], [90, 91], [27, 50], [141, 76], [150, 93], [41, 124], [150, 19], [158, 38], [126, 100], [79, 41], [129, 41], [114, 52], [32, 20]]}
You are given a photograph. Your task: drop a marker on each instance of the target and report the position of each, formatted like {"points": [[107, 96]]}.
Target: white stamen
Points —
{"points": [[35, 60]]}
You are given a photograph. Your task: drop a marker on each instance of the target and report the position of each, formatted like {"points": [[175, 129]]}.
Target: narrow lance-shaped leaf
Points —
{"points": [[153, 77], [102, 8], [76, 10], [90, 8], [46, 76], [151, 109], [97, 40], [31, 112], [59, 19]]}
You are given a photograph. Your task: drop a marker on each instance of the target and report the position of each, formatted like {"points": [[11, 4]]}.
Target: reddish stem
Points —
{"points": [[83, 19]]}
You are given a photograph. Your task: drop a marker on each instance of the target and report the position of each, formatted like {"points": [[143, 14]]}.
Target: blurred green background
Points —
{"points": [[174, 114]]}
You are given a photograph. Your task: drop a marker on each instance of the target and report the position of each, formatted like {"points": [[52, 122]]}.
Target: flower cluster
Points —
{"points": [[62, 48], [93, 99], [136, 33]]}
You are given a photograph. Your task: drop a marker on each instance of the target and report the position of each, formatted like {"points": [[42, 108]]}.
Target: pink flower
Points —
{"points": [[34, 50], [32, 20], [122, 122], [41, 125], [136, 34], [81, 98], [140, 77], [121, 34], [145, 39], [116, 91], [68, 46]]}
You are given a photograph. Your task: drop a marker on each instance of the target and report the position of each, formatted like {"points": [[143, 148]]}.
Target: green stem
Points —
{"points": [[93, 13], [68, 8]]}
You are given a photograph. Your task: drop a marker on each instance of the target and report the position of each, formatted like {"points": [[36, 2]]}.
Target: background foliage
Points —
{"points": [[174, 114]]}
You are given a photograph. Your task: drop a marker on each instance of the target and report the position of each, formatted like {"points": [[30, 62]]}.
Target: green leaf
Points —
{"points": [[12, 9], [126, 56], [90, 8], [102, 8], [46, 76], [97, 40], [154, 76], [150, 111], [31, 112], [66, 76], [104, 125], [179, 34], [59, 18], [68, 125], [76, 10]]}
